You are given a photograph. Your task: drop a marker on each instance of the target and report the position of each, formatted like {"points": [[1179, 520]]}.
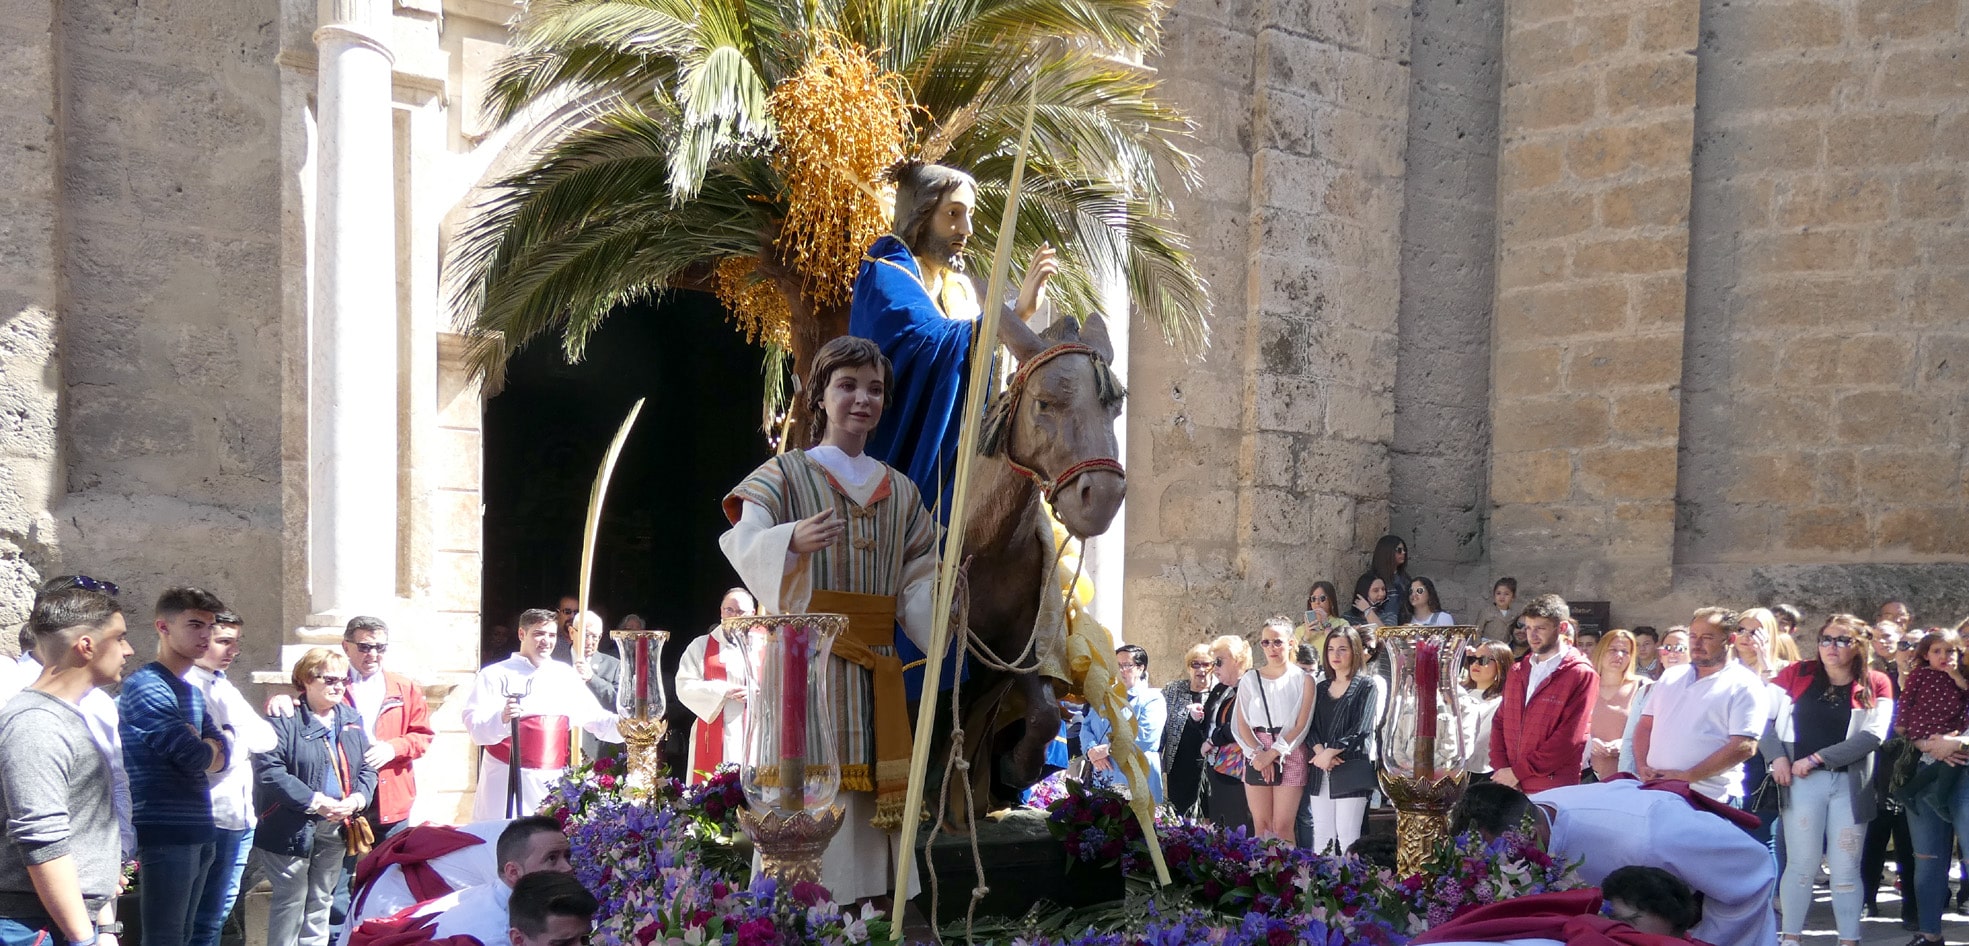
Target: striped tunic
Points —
{"points": [[889, 548]]}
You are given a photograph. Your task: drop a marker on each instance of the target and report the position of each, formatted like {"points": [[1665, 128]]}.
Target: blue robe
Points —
{"points": [[930, 353]]}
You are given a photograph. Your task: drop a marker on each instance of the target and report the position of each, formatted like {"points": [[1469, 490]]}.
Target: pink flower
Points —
{"points": [[758, 932]]}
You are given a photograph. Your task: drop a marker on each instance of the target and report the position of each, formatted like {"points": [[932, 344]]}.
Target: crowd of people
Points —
{"points": [[180, 777], [1829, 759]]}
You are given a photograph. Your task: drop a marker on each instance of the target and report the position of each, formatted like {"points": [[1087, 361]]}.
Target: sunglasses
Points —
{"points": [[1674, 648], [372, 648], [86, 583], [1518, 626], [1839, 642], [567, 611], [332, 681], [1905, 645], [1479, 661], [1202, 665]]}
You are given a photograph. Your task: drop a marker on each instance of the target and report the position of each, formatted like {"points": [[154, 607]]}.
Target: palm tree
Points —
{"points": [[666, 174]]}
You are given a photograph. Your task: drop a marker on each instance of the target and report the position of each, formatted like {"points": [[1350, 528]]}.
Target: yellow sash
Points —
{"points": [[872, 623]]}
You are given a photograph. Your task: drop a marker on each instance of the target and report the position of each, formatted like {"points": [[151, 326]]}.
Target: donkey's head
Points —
{"points": [[1056, 421]]}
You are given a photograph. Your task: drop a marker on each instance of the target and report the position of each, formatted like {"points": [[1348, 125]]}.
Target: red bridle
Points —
{"points": [[1016, 390]]}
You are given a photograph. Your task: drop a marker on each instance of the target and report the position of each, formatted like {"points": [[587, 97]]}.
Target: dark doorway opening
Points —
{"points": [[657, 550]]}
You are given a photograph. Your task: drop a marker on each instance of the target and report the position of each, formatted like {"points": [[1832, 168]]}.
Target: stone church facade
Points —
{"points": [[1658, 303]]}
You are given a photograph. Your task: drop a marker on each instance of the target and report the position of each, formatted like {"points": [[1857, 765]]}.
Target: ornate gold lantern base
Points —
{"points": [[1422, 810], [790, 843], [644, 737]]}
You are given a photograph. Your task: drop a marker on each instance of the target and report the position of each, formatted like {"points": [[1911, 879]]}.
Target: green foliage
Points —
{"points": [[655, 142]]}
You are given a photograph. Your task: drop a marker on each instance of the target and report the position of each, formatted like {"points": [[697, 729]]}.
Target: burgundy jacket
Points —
{"points": [[1544, 742]]}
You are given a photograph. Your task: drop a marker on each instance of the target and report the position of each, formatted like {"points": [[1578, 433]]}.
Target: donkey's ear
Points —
{"points": [[1018, 337], [1094, 334]]}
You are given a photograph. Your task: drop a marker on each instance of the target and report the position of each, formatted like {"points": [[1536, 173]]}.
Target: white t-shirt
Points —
{"points": [[1694, 716], [1283, 696]]}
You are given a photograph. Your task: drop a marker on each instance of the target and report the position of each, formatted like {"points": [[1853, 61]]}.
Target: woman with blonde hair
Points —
{"points": [[1757, 629], [1832, 714], [310, 789], [1483, 677], [1223, 771], [1617, 707], [1182, 734], [1274, 704]]}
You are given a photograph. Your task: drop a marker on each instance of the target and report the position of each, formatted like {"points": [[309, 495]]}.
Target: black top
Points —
{"points": [[1346, 722], [1821, 716]]}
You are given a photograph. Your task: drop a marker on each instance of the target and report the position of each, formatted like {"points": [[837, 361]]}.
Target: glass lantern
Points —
{"points": [[1423, 743], [639, 688], [791, 761]]}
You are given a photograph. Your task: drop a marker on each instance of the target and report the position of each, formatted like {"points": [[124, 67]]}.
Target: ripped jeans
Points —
{"points": [[1934, 841], [1819, 824]]}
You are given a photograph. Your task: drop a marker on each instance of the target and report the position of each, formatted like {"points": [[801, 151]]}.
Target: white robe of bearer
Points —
{"points": [[1611, 825], [707, 698], [465, 867], [860, 861], [477, 912], [556, 691]]}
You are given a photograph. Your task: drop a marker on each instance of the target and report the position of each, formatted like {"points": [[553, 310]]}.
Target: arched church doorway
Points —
{"points": [[698, 435]]}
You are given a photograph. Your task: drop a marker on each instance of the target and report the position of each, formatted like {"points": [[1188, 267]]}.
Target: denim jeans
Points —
{"points": [[1819, 823], [170, 883], [221, 885], [29, 931], [1933, 849]]}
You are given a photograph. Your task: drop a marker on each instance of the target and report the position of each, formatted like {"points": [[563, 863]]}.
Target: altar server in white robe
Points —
{"points": [[1610, 825], [714, 679], [549, 699], [830, 529]]}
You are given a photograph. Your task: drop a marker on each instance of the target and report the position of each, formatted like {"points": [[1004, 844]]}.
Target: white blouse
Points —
{"points": [[1283, 696]]}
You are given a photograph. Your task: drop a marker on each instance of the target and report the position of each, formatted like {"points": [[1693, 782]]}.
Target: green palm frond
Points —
{"points": [[669, 170]]}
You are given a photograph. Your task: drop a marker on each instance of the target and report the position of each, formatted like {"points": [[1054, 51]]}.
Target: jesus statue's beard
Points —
{"points": [[944, 253]]}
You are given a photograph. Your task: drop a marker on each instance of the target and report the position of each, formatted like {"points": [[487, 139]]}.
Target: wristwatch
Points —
{"points": [[113, 929]]}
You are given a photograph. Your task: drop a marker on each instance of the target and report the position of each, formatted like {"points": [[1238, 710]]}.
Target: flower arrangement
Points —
{"points": [[1239, 887], [665, 868], [1471, 872], [1096, 824]]}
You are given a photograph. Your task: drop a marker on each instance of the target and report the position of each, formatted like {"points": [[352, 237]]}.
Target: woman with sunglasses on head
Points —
{"points": [[1483, 678], [1274, 706], [310, 790], [1223, 777], [1833, 713], [1182, 735]]}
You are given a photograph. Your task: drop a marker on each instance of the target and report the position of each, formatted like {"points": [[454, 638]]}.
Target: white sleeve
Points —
{"points": [[1246, 710], [483, 707], [250, 732], [760, 550], [704, 697], [916, 604], [584, 711]]}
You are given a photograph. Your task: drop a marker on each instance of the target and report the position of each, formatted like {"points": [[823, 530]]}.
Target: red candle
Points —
{"points": [[793, 717], [1428, 676], [639, 698]]}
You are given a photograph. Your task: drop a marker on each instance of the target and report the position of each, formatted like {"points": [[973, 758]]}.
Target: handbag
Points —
{"points": [[1224, 758], [1770, 796], [358, 836]]}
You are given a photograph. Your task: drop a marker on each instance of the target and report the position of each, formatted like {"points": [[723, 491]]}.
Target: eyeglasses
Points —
{"points": [[1479, 661], [568, 611], [1839, 642], [1905, 645], [370, 648], [332, 681], [1674, 648], [86, 583], [1319, 597], [1202, 664], [1216, 663], [1518, 626]]}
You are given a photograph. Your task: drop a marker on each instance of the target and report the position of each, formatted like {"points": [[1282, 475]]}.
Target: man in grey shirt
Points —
{"points": [[60, 860]]}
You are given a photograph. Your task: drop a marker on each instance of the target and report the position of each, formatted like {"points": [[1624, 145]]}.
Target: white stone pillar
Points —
{"points": [[1107, 553], [352, 364]]}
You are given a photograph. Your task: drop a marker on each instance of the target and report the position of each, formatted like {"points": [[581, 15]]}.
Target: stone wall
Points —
{"points": [[1441, 462], [1592, 248], [1264, 465], [141, 437], [1824, 393], [30, 370]]}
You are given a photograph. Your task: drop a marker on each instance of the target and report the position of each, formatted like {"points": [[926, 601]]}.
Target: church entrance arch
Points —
{"points": [[656, 552]]}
